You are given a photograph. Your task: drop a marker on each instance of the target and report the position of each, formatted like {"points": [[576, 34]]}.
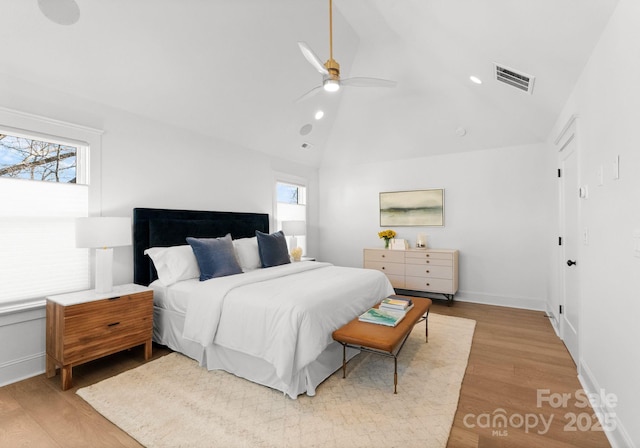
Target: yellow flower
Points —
{"points": [[387, 234]]}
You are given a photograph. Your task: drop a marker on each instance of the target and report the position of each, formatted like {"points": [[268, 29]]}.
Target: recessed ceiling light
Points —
{"points": [[319, 115], [475, 79]]}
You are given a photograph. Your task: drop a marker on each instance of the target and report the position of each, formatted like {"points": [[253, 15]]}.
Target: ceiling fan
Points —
{"points": [[330, 70]]}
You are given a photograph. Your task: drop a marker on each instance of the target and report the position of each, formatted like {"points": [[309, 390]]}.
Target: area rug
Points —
{"points": [[172, 402]]}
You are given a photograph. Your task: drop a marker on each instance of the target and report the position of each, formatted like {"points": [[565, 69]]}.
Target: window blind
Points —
{"points": [[38, 256]]}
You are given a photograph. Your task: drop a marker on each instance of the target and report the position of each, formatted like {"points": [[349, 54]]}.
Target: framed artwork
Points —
{"points": [[412, 208]]}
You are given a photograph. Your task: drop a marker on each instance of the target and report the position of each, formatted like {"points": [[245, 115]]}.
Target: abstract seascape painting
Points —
{"points": [[412, 208]]}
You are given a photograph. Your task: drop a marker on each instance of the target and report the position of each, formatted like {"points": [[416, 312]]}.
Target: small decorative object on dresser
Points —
{"points": [[422, 270], [86, 325]]}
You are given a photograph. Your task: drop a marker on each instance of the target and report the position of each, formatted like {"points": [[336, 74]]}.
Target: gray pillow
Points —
{"points": [[215, 256], [273, 249]]}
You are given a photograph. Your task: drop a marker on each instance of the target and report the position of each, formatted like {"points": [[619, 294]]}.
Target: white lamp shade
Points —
{"points": [[103, 232], [293, 228]]}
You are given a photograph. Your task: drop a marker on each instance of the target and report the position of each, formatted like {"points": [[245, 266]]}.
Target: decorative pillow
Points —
{"points": [[273, 249], [174, 264], [247, 253], [216, 257]]}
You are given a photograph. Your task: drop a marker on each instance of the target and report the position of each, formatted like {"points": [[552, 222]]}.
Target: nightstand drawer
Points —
{"points": [[106, 339], [84, 317]]}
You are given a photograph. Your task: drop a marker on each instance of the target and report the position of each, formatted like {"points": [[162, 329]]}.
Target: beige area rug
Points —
{"points": [[172, 402]]}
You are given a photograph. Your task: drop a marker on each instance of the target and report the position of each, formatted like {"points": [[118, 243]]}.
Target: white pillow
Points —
{"points": [[247, 253], [174, 263]]}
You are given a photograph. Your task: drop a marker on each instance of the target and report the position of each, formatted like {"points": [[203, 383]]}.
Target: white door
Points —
{"points": [[569, 263]]}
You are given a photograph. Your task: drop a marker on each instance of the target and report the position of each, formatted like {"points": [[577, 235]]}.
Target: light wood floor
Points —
{"points": [[514, 353]]}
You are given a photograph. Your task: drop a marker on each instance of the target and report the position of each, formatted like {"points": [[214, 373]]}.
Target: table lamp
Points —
{"points": [[103, 234], [293, 228]]}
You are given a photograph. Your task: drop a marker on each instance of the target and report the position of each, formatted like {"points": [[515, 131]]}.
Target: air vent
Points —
{"points": [[514, 78]]}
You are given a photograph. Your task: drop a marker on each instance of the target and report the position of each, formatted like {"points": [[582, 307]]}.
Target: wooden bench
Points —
{"points": [[380, 339]]}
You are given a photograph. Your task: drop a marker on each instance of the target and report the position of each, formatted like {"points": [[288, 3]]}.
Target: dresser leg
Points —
{"points": [[66, 377]]}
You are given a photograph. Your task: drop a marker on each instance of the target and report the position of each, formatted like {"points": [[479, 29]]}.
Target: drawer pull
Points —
{"points": [[427, 271], [383, 268], [427, 255], [113, 324], [114, 298], [383, 256], [428, 284], [428, 261]]}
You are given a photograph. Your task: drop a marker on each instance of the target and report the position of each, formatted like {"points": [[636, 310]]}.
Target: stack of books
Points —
{"points": [[396, 303], [390, 311]]}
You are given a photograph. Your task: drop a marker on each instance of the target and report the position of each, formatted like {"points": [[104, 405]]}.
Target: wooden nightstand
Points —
{"points": [[83, 326]]}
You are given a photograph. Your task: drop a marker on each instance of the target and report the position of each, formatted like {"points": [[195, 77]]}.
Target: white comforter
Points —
{"points": [[285, 314]]}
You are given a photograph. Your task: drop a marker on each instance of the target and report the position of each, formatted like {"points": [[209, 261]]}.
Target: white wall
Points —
{"points": [[607, 99], [497, 208]]}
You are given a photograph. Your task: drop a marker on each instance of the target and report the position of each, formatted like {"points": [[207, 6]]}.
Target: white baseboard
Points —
{"points": [[527, 303], [553, 319], [618, 436], [21, 369]]}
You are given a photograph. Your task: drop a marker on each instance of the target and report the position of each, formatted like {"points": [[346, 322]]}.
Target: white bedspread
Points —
{"points": [[285, 314]]}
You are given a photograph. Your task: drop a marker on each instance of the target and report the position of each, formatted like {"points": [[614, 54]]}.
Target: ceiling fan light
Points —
{"points": [[331, 85]]}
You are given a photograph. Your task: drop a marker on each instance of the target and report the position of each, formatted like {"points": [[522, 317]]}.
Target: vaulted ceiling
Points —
{"points": [[232, 68]]}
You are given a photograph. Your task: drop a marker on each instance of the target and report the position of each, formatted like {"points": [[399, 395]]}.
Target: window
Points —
{"points": [[42, 190], [291, 205], [26, 158]]}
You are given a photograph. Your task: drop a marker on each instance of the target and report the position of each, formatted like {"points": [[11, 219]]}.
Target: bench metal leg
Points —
{"points": [[395, 374], [344, 360]]}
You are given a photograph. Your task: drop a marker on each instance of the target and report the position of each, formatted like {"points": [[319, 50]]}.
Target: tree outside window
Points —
{"points": [[25, 158]]}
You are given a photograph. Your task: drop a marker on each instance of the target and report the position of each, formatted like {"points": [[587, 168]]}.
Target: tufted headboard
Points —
{"points": [[154, 227]]}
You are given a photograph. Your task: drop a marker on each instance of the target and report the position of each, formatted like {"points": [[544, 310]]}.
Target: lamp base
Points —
{"points": [[104, 270]]}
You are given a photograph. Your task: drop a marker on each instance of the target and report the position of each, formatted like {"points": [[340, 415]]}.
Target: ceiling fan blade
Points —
{"points": [[312, 58], [309, 94], [367, 82]]}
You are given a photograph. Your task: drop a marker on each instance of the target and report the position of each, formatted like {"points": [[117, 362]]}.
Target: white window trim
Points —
{"points": [[50, 129]]}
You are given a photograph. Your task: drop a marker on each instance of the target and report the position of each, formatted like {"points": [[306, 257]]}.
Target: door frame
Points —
{"points": [[568, 134]]}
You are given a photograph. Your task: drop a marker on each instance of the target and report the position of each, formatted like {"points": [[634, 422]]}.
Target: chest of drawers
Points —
{"points": [[423, 270]]}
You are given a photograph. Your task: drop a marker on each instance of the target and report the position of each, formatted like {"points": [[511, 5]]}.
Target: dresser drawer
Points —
{"points": [[429, 284], [430, 261], [412, 255], [429, 271], [385, 267], [387, 255]]}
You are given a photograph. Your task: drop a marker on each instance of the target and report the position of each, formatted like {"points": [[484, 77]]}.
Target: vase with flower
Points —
{"points": [[387, 236]]}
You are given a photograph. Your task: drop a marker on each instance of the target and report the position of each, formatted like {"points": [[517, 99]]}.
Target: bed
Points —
{"points": [[269, 325]]}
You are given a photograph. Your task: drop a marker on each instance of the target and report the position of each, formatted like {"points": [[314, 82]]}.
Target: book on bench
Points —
{"points": [[390, 318], [396, 303]]}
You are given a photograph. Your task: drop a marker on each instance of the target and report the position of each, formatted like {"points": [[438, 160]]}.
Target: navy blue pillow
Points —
{"points": [[273, 249], [215, 256]]}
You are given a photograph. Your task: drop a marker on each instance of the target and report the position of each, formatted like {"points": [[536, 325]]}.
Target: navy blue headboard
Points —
{"points": [[153, 227]]}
